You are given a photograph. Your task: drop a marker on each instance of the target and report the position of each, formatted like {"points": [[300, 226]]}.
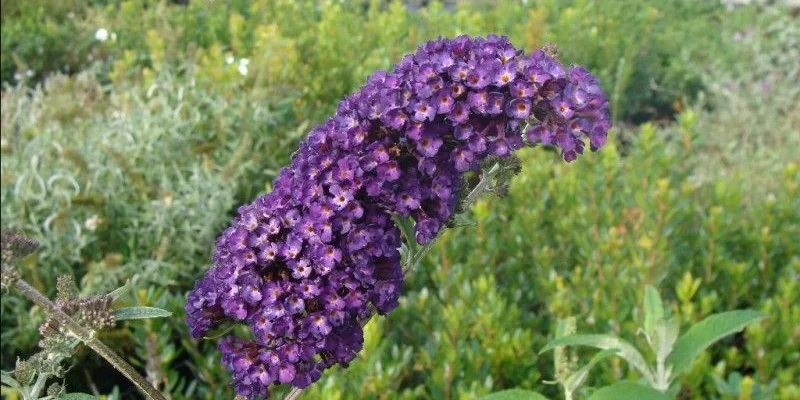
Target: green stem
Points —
{"points": [[483, 185], [662, 376], [37, 387], [88, 337]]}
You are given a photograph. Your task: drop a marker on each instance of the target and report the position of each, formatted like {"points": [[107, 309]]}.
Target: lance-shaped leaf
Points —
{"points": [[628, 390], [406, 225], [665, 333], [76, 396], [7, 380], [139, 313], [221, 330], [514, 394], [653, 309], [120, 291], [705, 333], [605, 342], [574, 381]]}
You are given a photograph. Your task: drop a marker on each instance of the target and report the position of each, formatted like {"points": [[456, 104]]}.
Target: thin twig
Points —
{"points": [[88, 337], [293, 394], [481, 187]]}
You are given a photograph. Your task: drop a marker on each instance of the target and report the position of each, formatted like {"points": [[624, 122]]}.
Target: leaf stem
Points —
{"points": [[37, 386], [88, 337], [481, 187], [662, 375]]}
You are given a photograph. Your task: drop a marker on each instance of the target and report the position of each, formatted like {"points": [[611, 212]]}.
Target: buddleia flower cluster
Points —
{"points": [[305, 264]]}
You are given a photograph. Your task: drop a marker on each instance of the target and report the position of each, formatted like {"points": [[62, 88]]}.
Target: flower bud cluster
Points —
{"points": [[92, 312]]}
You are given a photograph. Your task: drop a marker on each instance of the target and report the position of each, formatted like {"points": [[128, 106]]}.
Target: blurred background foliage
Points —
{"points": [[132, 129]]}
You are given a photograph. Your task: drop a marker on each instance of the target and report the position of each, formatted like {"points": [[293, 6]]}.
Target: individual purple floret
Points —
{"points": [[304, 265]]}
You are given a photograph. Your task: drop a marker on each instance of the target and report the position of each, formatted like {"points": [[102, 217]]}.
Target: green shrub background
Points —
{"points": [[126, 157]]}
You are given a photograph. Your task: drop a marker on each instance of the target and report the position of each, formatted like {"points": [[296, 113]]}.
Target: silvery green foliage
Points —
{"points": [[753, 129], [152, 175], [132, 182]]}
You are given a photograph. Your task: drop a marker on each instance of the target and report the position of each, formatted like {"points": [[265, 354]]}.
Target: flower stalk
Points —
{"points": [[87, 337]]}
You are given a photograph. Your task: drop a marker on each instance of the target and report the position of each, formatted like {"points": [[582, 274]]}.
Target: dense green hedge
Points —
{"points": [[641, 50], [129, 166]]}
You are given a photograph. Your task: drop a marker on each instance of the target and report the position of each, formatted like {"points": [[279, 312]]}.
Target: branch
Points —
{"points": [[88, 337]]}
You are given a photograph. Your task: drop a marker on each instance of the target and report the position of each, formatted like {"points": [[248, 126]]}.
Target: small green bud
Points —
{"points": [[66, 288], [8, 276], [55, 389], [562, 358], [24, 371], [550, 49], [95, 312]]}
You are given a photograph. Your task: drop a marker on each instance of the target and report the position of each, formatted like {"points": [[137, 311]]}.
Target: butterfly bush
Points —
{"points": [[304, 265]]}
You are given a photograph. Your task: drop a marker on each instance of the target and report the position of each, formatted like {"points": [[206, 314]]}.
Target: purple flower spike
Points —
{"points": [[305, 264]]}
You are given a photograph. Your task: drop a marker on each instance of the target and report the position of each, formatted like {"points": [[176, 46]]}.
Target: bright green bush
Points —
{"points": [[644, 52], [42, 36], [582, 239]]}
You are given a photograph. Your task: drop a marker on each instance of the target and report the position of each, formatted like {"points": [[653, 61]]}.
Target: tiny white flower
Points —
{"points": [[17, 76], [101, 34], [29, 73], [229, 59], [92, 222], [242, 69], [244, 61]]}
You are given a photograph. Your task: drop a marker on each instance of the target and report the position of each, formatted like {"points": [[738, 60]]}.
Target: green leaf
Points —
{"points": [[220, 331], [139, 313], [406, 225], [705, 333], [574, 381], [665, 333], [627, 390], [653, 309], [605, 342], [76, 396], [8, 380], [514, 394], [120, 291]]}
